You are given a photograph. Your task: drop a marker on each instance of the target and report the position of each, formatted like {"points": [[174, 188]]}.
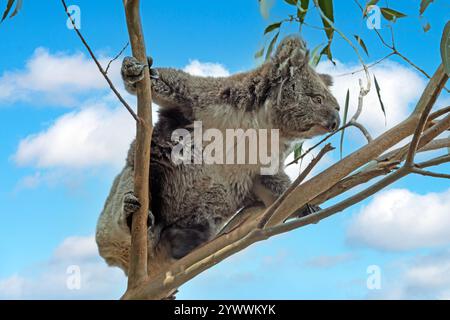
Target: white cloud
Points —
{"points": [[400, 89], [400, 219], [55, 78], [206, 69], [93, 136], [424, 277], [49, 279]]}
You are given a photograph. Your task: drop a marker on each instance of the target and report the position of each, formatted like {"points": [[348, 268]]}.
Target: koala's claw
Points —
{"points": [[131, 204], [307, 210], [132, 70]]}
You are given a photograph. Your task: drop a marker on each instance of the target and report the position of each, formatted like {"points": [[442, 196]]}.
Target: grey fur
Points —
{"points": [[191, 202]]}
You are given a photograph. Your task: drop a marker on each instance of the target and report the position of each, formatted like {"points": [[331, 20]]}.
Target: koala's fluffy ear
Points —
{"points": [[291, 53], [327, 79]]}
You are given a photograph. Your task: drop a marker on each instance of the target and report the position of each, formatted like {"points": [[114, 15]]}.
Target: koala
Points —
{"points": [[191, 202]]}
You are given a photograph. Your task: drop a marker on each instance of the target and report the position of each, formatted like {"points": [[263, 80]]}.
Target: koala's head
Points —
{"points": [[302, 104]]}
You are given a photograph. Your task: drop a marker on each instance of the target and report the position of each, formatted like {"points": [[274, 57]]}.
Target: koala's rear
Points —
{"points": [[190, 202]]}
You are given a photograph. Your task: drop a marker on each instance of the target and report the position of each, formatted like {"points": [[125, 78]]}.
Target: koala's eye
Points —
{"points": [[318, 99]]}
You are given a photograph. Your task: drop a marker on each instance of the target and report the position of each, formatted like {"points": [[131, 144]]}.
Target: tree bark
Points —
{"points": [[139, 238]]}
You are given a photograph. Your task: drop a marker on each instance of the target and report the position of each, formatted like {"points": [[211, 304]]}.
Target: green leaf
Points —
{"points": [[377, 86], [315, 56], [259, 53], [272, 27], [8, 9], [426, 27], [424, 5], [391, 14], [445, 48], [298, 151], [302, 10], [327, 51], [327, 8], [368, 5], [347, 102], [271, 45], [291, 2], [361, 43], [17, 8]]}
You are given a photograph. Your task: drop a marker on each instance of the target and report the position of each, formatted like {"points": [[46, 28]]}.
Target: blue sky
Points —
{"points": [[64, 137]]}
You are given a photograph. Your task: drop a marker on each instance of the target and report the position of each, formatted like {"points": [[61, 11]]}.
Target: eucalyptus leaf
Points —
{"points": [[445, 48], [377, 86], [259, 53], [368, 5], [424, 5], [291, 2], [271, 45], [347, 102], [391, 14], [315, 56], [8, 9], [361, 43], [17, 8], [272, 27], [298, 151], [302, 10], [327, 8]]}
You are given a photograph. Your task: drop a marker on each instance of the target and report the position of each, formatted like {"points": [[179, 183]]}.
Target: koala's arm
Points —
{"points": [[112, 235], [268, 188], [171, 88]]}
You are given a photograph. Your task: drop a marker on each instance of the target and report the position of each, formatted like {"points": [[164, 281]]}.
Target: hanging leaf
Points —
{"points": [[259, 53], [327, 52], [298, 151], [445, 48], [347, 102], [361, 43], [291, 2], [327, 8], [302, 10], [272, 27], [17, 8], [315, 56], [368, 5], [391, 14], [8, 9], [377, 86], [271, 45], [426, 27], [424, 5]]}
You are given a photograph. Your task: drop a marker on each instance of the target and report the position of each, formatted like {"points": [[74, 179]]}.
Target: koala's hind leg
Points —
{"points": [[268, 188], [182, 240]]}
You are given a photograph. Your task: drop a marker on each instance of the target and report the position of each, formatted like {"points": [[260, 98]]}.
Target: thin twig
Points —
{"points": [[430, 174], [116, 57], [99, 66]]}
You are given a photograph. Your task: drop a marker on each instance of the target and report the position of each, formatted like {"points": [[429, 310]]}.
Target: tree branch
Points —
{"points": [[139, 238]]}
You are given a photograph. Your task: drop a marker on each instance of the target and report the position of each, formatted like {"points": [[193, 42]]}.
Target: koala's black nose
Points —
{"points": [[334, 122]]}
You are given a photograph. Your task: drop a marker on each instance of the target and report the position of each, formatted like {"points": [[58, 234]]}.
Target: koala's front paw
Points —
{"points": [[131, 205], [132, 70]]}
